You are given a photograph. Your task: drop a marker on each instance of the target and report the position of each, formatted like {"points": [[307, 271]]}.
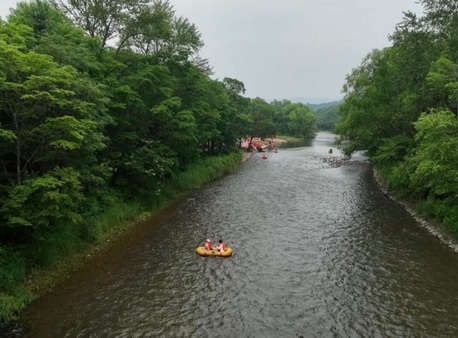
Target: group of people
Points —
{"points": [[221, 247]]}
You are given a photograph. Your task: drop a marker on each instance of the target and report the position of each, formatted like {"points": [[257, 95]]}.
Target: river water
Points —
{"points": [[319, 251]]}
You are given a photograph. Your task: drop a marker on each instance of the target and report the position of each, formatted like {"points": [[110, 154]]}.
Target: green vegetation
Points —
{"points": [[289, 139], [20, 287], [293, 119], [294, 142], [107, 112], [327, 118], [401, 106], [320, 106]]}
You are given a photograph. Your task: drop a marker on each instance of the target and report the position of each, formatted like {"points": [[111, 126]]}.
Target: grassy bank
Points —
{"points": [[21, 284], [292, 142], [289, 138]]}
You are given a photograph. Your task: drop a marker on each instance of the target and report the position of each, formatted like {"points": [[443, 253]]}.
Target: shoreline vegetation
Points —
{"points": [[94, 135], [116, 221], [400, 107], [121, 218]]}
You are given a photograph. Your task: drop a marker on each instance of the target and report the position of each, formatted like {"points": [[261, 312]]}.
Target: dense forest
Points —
{"points": [[107, 111], [401, 106], [327, 116]]}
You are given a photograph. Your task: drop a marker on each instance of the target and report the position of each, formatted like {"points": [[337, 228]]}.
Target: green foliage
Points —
{"points": [[40, 15], [93, 135], [294, 119], [142, 173], [12, 303], [327, 118], [387, 93], [114, 218], [400, 106], [443, 82], [43, 202], [12, 270], [204, 171], [434, 161], [262, 115], [301, 120], [105, 19], [444, 211], [234, 86], [392, 151], [323, 106], [17, 35]]}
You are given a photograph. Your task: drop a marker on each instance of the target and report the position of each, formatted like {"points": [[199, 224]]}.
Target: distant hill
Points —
{"points": [[318, 106], [327, 114], [312, 100], [316, 103]]}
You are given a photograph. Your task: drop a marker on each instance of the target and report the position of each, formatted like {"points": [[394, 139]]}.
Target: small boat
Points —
{"points": [[264, 156], [204, 252]]}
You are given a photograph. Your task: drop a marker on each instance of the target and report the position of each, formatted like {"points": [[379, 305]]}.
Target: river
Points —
{"points": [[319, 251]]}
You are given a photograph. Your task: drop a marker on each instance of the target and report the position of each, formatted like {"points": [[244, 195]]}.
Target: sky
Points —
{"points": [[288, 49]]}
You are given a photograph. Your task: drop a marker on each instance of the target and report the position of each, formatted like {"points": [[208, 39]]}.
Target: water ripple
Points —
{"points": [[319, 251]]}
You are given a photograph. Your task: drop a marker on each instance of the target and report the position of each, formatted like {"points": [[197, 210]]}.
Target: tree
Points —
{"points": [[261, 113], [443, 81], [53, 119], [281, 116], [433, 170], [234, 86], [326, 118], [42, 17], [106, 19], [301, 120]]}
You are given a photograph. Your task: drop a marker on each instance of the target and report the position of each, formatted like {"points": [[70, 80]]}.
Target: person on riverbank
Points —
{"points": [[221, 246], [208, 245]]}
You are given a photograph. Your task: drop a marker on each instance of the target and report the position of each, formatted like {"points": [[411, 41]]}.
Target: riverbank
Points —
{"points": [[355, 244], [433, 227], [117, 221]]}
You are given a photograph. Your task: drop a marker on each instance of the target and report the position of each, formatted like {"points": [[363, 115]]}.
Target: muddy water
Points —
{"points": [[319, 251]]}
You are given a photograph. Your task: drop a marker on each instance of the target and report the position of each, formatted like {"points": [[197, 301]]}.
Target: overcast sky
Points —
{"points": [[290, 48]]}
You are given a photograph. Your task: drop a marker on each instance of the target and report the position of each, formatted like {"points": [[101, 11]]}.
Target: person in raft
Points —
{"points": [[208, 245], [221, 246]]}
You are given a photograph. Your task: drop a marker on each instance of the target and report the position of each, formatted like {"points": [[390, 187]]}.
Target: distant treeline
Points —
{"points": [[401, 105], [107, 109], [327, 115]]}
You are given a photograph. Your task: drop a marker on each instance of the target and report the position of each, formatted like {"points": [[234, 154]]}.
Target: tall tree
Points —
{"points": [[106, 19], [262, 115], [301, 120]]}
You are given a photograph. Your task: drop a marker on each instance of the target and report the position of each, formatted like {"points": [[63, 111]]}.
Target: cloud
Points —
{"points": [[289, 48], [292, 48]]}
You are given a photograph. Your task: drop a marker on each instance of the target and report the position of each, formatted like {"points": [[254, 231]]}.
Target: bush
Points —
{"points": [[12, 269]]}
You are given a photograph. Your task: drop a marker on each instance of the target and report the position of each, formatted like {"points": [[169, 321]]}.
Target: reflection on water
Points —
{"points": [[296, 144], [318, 251]]}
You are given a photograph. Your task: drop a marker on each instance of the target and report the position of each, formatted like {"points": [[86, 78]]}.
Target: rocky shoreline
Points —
{"points": [[433, 227]]}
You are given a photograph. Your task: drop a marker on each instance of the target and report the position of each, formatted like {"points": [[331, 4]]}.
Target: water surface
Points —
{"points": [[319, 251]]}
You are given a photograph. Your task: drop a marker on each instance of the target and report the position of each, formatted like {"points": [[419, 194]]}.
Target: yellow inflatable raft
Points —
{"points": [[203, 252]]}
